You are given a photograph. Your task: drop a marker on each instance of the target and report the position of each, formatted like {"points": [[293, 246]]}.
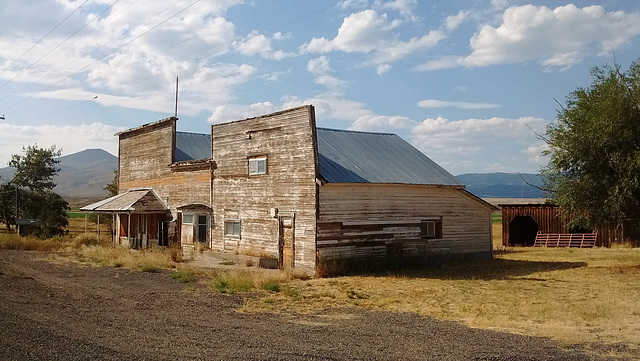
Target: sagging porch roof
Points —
{"points": [[137, 200]]}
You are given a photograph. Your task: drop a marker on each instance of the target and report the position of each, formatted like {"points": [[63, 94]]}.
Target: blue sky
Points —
{"points": [[465, 82]]}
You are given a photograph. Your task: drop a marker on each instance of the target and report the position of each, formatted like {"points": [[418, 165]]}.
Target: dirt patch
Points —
{"points": [[51, 311]]}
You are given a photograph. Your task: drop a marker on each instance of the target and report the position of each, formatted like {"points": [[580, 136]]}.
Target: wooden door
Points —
{"points": [[286, 242]]}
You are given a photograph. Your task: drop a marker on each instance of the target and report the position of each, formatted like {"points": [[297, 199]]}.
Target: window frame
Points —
{"points": [[189, 215], [436, 227], [257, 161], [233, 221]]}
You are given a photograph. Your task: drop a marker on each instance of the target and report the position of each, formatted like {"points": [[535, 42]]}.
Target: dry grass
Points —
{"points": [[571, 295], [586, 296]]}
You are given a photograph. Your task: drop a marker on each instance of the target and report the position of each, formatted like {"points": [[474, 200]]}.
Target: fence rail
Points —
{"points": [[568, 240]]}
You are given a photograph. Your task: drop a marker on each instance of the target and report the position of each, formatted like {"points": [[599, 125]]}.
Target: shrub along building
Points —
{"points": [[276, 186]]}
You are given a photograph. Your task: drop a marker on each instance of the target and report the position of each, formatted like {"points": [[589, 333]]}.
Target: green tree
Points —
{"points": [[594, 149], [112, 187], [33, 184], [36, 168]]}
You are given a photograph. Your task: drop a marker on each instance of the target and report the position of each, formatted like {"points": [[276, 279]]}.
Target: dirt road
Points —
{"points": [[51, 311]]}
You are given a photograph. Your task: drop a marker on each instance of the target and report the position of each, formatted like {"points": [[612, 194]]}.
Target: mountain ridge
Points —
{"points": [[82, 174], [86, 173]]}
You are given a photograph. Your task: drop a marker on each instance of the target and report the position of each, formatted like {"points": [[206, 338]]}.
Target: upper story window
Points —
{"points": [[258, 165]]}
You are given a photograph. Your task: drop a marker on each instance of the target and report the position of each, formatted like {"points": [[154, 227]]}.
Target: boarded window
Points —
{"points": [[258, 165], [431, 228], [232, 228]]}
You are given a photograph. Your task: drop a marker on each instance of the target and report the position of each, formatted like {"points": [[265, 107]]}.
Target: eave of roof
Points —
{"points": [[137, 200]]}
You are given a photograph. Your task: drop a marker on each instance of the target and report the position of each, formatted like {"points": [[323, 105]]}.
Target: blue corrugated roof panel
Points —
{"points": [[362, 157], [192, 146]]}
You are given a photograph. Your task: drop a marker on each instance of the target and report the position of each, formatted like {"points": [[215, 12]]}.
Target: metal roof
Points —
{"points": [[138, 200], [192, 146], [362, 157]]}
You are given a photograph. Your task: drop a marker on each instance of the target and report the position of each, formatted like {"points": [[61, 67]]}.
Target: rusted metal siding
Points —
{"points": [[287, 140], [379, 220]]}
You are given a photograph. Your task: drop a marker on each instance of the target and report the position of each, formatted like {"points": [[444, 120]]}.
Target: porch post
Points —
{"points": [[98, 236]]}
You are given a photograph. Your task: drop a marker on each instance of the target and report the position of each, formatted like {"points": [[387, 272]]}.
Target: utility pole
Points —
{"points": [[17, 209]]}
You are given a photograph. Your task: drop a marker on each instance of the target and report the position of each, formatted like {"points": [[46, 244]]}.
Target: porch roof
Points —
{"points": [[137, 200]]}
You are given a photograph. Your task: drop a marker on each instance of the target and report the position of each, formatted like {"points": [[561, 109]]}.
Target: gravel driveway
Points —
{"points": [[51, 311]]}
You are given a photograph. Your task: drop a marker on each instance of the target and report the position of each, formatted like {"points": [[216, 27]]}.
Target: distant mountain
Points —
{"points": [[503, 185], [82, 174]]}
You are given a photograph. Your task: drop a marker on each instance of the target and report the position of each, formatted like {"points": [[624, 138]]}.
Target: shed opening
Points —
{"points": [[522, 231]]}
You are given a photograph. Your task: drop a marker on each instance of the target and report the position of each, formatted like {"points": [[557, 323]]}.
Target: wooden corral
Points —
{"points": [[521, 223]]}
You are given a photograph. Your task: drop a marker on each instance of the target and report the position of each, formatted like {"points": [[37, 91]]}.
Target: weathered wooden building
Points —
{"points": [[277, 186], [521, 223]]}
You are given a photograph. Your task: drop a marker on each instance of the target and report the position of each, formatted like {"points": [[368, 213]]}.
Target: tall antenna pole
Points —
{"points": [[176, 112]]}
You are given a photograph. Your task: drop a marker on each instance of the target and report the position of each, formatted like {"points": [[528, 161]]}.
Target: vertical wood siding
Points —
{"points": [[286, 139], [145, 155], [363, 220], [550, 219]]}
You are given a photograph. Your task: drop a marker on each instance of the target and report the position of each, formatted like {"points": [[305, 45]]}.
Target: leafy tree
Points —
{"points": [[7, 204], [33, 183], [36, 168], [112, 187], [594, 149]]}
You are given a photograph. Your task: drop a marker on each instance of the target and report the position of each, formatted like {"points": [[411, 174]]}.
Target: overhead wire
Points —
{"points": [[97, 60], [57, 46], [41, 39], [168, 48], [231, 46]]}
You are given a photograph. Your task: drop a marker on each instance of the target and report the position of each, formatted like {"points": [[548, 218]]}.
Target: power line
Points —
{"points": [[170, 47], [54, 48], [109, 53], [47, 34], [229, 47]]}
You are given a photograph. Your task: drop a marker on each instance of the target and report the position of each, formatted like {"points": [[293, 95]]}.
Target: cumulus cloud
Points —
{"points": [[434, 103], [369, 32], [453, 21], [260, 44], [454, 141], [554, 38], [382, 123], [227, 113]]}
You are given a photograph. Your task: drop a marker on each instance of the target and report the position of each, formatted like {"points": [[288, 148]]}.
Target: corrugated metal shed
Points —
{"points": [[192, 146], [362, 157], [139, 200]]}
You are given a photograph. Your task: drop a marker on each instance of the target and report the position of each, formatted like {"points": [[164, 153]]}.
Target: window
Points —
{"points": [[431, 228], [187, 218], [202, 228], [232, 227], [258, 165]]}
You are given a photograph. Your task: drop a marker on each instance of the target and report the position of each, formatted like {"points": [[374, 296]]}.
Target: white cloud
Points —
{"points": [[404, 7], [481, 140], [382, 123], [434, 103], [227, 113], [453, 21], [320, 68], [69, 138], [558, 38], [260, 44], [369, 32]]}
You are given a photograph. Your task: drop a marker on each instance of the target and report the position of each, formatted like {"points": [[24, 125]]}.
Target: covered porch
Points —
{"points": [[141, 218]]}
